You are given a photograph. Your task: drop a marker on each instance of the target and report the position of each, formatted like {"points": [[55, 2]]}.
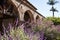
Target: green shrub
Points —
{"points": [[19, 34], [55, 20]]}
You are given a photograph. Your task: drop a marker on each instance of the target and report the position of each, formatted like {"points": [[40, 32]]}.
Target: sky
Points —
{"points": [[44, 9]]}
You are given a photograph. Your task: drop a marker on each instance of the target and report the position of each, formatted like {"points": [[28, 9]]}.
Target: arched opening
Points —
{"points": [[37, 17], [28, 16], [38, 21]]}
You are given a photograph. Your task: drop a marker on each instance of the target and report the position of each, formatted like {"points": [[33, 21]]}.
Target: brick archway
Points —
{"points": [[28, 16]]}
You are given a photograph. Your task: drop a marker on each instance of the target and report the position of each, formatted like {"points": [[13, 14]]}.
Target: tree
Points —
{"points": [[52, 2]]}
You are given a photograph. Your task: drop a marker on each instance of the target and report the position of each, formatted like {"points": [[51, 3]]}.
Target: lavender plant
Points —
{"points": [[41, 30]]}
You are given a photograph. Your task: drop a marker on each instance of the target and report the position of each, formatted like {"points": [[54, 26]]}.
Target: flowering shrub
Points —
{"points": [[41, 30], [17, 34], [55, 20], [48, 30]]}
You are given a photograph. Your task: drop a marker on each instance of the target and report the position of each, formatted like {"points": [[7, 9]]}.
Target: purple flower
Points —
{"points": [[3, 27], [45, 38], [10, 38], [9, 26], [16, 22], [41, 35]]}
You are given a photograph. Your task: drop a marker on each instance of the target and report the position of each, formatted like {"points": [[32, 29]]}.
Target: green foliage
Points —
{"points": [[49, 32], [55, 20], [18, 34], [36, 29]]}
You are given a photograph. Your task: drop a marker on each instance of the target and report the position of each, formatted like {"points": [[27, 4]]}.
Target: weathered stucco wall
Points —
{"points": [[22, 8]]}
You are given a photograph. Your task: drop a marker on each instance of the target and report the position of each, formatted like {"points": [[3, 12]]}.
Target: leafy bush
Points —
{"points": [[17, 34], [48, 33], [42, 30], [55, 20]]}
